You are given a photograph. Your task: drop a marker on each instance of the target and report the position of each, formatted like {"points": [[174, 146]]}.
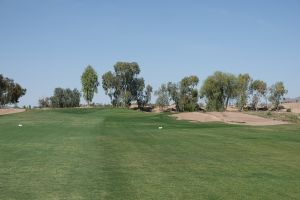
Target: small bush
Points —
{"points": [[289, 110], [269, 113]]}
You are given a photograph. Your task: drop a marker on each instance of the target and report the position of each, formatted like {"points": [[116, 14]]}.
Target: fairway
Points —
{"points": [[121, 154]]}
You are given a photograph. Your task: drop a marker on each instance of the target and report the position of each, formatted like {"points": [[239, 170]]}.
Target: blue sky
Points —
{"points": [[47, 44]]}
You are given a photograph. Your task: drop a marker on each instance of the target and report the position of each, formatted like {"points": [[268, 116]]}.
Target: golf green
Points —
{"points": [[121, 154]]}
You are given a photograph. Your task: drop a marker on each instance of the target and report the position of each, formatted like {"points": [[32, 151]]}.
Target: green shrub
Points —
{"points": [[289, 110]]}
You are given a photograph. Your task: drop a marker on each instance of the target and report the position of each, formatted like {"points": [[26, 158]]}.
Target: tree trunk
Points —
{"points": [[226, 104]]}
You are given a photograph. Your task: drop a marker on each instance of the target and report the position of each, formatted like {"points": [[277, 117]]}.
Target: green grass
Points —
{"points": [[121, 154]]}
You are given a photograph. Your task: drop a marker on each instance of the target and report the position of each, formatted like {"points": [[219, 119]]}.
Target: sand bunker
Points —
{"points": [[228, 117], [294, 106], [10, 111]]}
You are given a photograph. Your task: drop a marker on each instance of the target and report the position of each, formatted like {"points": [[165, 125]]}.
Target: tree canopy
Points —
{"points": [[10, 92], [243, 86], [277, 91], [89, 81], [162, 94], [62, 98], [258, 89], [124, 86], [184, 94], [218, 89], [189, 94], [144, 97]]}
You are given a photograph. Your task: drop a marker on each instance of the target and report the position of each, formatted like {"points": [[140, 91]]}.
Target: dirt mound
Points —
{"points": [[228, 117], [10, 111]]}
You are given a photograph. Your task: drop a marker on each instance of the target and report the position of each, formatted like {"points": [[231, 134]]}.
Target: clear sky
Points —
{"points": [[47, 44]]}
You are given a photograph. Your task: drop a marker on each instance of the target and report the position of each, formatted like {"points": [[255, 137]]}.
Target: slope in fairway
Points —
{"points": [[121, 154]]}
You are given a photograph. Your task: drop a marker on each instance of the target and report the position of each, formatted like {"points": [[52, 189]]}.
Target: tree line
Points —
{"points": [[10, 92], [124, 86], [218, 91], [62, 98]]}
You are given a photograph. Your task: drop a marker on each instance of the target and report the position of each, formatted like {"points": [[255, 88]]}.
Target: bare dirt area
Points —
{"points": [[228, 117], [169, 108], [295, 107], [10, 111]]}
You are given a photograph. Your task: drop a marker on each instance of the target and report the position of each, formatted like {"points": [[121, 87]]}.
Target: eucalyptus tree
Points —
{"points": [[258, 89], [162, 96], [231, 86], [89, 81], [10, 92], [189, 93], [218, 89], [62, 98], [144, 97], [45, 102], [243, 90], [277, 92], [184, 94], [123, 85], [174, 94], [112, 87]]}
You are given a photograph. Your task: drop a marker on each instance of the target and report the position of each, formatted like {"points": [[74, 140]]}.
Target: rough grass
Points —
{"points": [[121, 154]]}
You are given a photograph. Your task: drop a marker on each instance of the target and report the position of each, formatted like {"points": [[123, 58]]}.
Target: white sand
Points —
{"points": [[294, 106], [10, 111]]}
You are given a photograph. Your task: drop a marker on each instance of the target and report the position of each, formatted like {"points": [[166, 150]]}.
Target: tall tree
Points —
{"points": [[243, 89], [126, 73], [75, 96], [184, 94], [58, 98], [258, 89], [45, 102], [230, 87], [123, 85], [4, 90], [10, 92], [277, 92], [212, 91], [144, 97], [174, 94], [218, 89], [189, 93], [148, 94], [16, 92], [162, 96], [112, 87], [89, 81]]}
